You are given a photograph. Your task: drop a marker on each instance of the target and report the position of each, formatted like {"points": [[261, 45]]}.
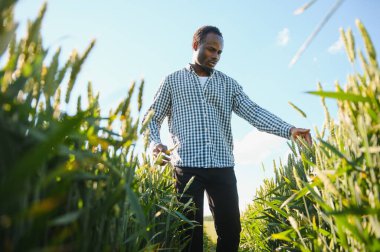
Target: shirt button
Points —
{"points": [[205, 129]]}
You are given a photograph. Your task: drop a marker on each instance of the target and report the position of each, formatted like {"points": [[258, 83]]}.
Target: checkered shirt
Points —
{"points": [[199, 118]]}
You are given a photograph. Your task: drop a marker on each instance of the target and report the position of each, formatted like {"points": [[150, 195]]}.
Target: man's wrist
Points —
{"points": [[286, 131], [152, 146], [291, 130]]}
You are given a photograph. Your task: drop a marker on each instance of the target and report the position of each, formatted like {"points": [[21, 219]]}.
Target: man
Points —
{"points": [[198, 101]]}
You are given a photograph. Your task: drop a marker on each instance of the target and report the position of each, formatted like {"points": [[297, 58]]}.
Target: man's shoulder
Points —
{"points": [[176, 74], [224, 76]]}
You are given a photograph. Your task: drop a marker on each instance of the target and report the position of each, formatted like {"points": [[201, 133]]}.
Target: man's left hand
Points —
{"points": [[303, 133]]}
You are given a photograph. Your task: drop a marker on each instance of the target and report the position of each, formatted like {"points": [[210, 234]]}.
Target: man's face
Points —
{"points": [[207, 54]]}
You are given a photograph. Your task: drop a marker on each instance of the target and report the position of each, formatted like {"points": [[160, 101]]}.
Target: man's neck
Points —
{"points": [[201, 71]]}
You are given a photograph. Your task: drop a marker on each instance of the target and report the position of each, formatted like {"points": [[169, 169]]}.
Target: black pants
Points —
{"points": [[220, 186]]}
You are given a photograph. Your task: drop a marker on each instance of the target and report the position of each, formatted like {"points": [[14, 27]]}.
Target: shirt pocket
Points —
{"points": [[185, 94], [216, 95]]}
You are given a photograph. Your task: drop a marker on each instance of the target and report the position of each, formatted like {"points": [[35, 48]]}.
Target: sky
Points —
{"points": [[151, 39]]}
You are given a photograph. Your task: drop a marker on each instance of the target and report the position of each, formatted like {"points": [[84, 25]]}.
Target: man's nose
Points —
{"points": [[215, 56]]}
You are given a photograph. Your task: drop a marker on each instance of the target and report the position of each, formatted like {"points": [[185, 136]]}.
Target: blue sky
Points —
{"points": [[150, 39]]}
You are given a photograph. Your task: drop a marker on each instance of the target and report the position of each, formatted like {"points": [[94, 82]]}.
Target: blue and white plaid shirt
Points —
{"points": [[199, 117]]}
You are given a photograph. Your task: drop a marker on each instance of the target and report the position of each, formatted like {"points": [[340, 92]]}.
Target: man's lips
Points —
{"points": [[213, 62]]}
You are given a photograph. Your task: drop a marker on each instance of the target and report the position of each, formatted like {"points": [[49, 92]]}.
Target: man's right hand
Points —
{"points": [[160, 148]]}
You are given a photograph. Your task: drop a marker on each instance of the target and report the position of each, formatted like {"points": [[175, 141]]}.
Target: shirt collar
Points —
{"points": [[191, 69]]}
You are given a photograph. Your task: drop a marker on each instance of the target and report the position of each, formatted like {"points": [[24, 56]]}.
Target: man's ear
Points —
{"points": [[195, 45]]}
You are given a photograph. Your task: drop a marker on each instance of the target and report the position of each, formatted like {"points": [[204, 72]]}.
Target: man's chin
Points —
{"points": [[208, 68]]}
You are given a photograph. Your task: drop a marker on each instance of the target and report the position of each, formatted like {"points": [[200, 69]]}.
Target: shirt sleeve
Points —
{"points": [[257, 116], [161, 107]]}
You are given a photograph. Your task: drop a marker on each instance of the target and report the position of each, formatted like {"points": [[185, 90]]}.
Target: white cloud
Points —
{"points": [[336, 47], [257, 146], [283, 37]]}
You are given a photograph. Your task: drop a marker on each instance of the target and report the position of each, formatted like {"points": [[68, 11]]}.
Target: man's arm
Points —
{"points": [[263, 119], [161, 106], [260, 118]]}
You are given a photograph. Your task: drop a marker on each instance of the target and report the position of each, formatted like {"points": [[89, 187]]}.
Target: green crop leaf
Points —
{"points": [[6, 37], [355, 211], [283, 235], [136, 206], [66, 218], [33, 159], [338, 153], [341, 96], [276, 208], [298, 109]]}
